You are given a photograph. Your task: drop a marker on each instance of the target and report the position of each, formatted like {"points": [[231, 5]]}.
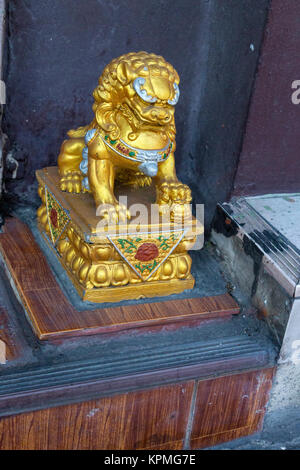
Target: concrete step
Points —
{"points": [[258, 239]]}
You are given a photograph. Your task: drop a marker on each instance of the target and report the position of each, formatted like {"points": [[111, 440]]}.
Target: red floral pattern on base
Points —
{"points": [[147, 252], [53, 217]]}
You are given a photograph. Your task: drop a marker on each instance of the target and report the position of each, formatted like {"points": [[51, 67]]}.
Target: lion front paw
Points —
{"points": [[71, 182], [113, 213]]}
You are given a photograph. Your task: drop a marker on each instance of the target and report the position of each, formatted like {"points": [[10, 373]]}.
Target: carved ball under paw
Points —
{"points": [[178, 193], [181, 213]]}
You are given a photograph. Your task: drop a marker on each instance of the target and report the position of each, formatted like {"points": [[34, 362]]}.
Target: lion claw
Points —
{"points": [[71, 182]]}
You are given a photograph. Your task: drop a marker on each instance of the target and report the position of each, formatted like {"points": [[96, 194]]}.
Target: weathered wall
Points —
{"points": [[270, 157], [57, 49], [2, 88]]}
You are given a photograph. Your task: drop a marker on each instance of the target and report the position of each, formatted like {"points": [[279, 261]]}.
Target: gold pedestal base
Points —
{"points": [[120, 262], [133, 291]]}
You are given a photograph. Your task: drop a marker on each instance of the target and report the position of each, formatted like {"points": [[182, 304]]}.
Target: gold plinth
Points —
{"points": [[116, 262]]}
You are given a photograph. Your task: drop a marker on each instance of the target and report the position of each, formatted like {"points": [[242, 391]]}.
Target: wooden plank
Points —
{"points": [[149, 419], [53, 316], [230, 407], [226, 408]]}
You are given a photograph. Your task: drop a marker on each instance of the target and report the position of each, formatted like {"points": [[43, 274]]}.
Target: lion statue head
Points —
{"points": [[144, 87]]}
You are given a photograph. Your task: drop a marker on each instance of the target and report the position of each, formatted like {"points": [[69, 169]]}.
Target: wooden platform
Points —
{"points": [[52, 316], [185, 389]]}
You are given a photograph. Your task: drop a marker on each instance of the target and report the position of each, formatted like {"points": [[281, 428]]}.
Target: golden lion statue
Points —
{"points": [[131, 139]]}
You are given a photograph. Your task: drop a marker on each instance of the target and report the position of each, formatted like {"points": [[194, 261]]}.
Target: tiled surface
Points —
{"points": [[282, 211], [230, 407]]}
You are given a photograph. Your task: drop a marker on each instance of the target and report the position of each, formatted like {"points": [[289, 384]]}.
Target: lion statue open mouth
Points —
{"points": [[131, 138]]}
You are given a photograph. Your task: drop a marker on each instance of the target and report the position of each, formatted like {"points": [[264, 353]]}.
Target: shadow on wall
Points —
{"points": [[57, 50]]}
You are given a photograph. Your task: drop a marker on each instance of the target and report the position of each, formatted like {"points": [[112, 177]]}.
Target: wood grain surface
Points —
{"points": [[150, 419], [226, 408], [148, 415], [230, 407], [52, 316]]}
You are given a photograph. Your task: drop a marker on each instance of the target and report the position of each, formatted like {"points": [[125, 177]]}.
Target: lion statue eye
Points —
{"points": [[137, 85], [176, 97]]}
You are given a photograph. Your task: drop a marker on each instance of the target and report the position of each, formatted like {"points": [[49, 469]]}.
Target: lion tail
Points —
{"points": [[77, 133]]}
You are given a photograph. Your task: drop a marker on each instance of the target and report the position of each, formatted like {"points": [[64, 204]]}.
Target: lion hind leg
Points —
{"points": [[69, 160]]}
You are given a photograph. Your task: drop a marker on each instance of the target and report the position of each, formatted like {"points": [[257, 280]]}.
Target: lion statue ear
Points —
{"points": [[125, 73]]}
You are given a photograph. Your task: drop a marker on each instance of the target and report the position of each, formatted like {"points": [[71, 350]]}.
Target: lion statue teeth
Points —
{"points": [[131, 139]]}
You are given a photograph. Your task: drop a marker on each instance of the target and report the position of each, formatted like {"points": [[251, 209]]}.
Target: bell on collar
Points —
{"points": [[149, 168]]}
